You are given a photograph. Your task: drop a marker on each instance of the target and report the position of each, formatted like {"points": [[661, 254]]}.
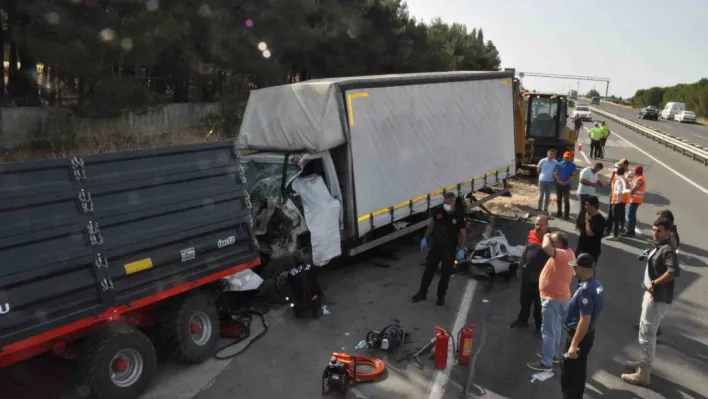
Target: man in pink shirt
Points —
{"points": [[554, 286]]}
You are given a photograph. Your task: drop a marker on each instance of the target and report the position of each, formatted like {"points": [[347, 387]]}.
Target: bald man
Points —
{"points": [[532, 261]]}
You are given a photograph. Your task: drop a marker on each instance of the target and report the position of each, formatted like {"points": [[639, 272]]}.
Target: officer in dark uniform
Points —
{"points": [[580, 322], [448, 228]]}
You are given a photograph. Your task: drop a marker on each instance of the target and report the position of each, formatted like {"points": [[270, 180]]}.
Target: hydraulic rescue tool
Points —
{"points": [[389, 338], [341, 372]]}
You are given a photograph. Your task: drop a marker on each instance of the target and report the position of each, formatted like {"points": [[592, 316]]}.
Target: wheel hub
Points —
{"points": [[194, 328], [200, 328], [126, 367], [119, 366]]}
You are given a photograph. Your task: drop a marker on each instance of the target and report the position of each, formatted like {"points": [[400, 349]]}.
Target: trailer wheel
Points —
{"points": [[191, 329], [117, 363]]}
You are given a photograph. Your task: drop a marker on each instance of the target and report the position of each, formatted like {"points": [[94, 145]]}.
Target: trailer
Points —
{"points": [[96, 250], [347, 164]]}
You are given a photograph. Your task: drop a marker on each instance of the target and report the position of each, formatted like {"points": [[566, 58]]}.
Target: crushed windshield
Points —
{"points": [[543, 117], [265, 179]]}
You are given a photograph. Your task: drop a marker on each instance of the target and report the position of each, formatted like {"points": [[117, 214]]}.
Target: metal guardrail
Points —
{"points": [[696, 152]]}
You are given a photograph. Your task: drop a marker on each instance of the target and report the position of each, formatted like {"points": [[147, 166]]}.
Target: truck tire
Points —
{"points": [[117, 363], [190, 329]]}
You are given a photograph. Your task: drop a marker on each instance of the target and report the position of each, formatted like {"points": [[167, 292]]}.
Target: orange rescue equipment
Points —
{"points": [[353, 362], [638, 196]]}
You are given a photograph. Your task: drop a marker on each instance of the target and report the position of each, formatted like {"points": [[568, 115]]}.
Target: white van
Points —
{"points": [[671, 109]]}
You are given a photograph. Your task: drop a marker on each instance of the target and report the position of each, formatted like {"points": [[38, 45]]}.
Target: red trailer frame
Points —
{"points": [[56, 340]]}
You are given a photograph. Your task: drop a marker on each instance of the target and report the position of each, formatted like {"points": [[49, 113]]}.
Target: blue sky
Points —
{"points": [[635, 43]]}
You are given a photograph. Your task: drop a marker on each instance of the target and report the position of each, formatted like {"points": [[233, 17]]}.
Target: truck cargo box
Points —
{"points": [[80, 236], [409, 137]]}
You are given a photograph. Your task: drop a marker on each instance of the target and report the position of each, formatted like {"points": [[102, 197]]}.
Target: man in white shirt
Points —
{"points": [[589, 179]]}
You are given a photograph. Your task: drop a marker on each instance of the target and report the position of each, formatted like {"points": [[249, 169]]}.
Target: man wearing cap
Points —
{"points": [[595, 144], [448, 228], [564, 172], [583, 313], [636, 193]]}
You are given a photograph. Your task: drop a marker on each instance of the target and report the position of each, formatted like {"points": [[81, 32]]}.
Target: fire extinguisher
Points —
{"points": [[464, 342], [442, 342]]}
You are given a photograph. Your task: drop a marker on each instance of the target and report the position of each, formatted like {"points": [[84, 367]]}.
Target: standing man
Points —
{"points": [[595, 144], [554, 286], [639, 184], [564, 172], [605, 134], [659, 280], [448, 228], [618, 200], [546, 168], [589, 180], [532, 261], [590, 239], [580, 322], [577, 124]]}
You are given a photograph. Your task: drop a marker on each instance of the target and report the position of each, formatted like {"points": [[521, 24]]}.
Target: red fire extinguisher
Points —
{"points": [[442, 341], [464, 342]]}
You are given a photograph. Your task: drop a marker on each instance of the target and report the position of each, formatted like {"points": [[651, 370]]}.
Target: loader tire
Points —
{"points": [[190, 329], [117, 363]]}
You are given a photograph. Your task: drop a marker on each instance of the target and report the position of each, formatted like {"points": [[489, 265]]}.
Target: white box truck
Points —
{"points": [[339, 166], [671, 109]]}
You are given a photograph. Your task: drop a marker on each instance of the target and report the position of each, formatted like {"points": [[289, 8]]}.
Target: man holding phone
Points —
{"points": [[580, 322]]}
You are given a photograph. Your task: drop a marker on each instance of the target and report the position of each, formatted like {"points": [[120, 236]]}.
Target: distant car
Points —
{"points": [[571, 103], [595, 101], [582, 112], [685, 116], [650, 112]]}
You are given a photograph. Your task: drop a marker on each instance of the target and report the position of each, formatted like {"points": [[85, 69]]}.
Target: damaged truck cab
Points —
{"points": [[340, 166]]}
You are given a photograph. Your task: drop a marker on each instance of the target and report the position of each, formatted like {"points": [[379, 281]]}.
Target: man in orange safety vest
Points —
{"points": [[618, 200], [639, 185]]}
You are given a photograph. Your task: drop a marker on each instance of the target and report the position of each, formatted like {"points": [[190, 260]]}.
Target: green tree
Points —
{"points": [[110, 57], [593, 93]]}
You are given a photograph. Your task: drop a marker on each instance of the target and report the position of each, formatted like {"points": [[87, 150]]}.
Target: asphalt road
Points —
{"points": [[692, 132], [288, 361], [681, 366]]}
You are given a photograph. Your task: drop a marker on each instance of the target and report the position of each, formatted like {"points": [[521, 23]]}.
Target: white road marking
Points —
{"points": [[442, 377], [672, 170], [698, 135]]}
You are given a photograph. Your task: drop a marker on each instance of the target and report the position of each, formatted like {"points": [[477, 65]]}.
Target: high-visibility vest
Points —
{"points": [[624, 197], [533, 238], [638, 196]]}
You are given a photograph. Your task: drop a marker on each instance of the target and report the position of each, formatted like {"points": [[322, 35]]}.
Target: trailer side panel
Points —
{"points": [[132, 225]]}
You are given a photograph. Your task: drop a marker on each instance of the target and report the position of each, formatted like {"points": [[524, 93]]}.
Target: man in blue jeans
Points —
{"points": [[564, 172], [554, 286], [546, 179]]}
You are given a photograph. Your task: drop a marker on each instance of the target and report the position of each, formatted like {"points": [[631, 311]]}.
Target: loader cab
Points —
{"points": [[546, 120]]}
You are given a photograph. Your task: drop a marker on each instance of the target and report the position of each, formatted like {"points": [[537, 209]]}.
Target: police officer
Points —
{"points": [[448, 228], [580, 322]]}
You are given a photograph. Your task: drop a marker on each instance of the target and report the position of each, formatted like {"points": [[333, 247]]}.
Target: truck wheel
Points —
{"points": [[190, 329], [118, 363]]}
